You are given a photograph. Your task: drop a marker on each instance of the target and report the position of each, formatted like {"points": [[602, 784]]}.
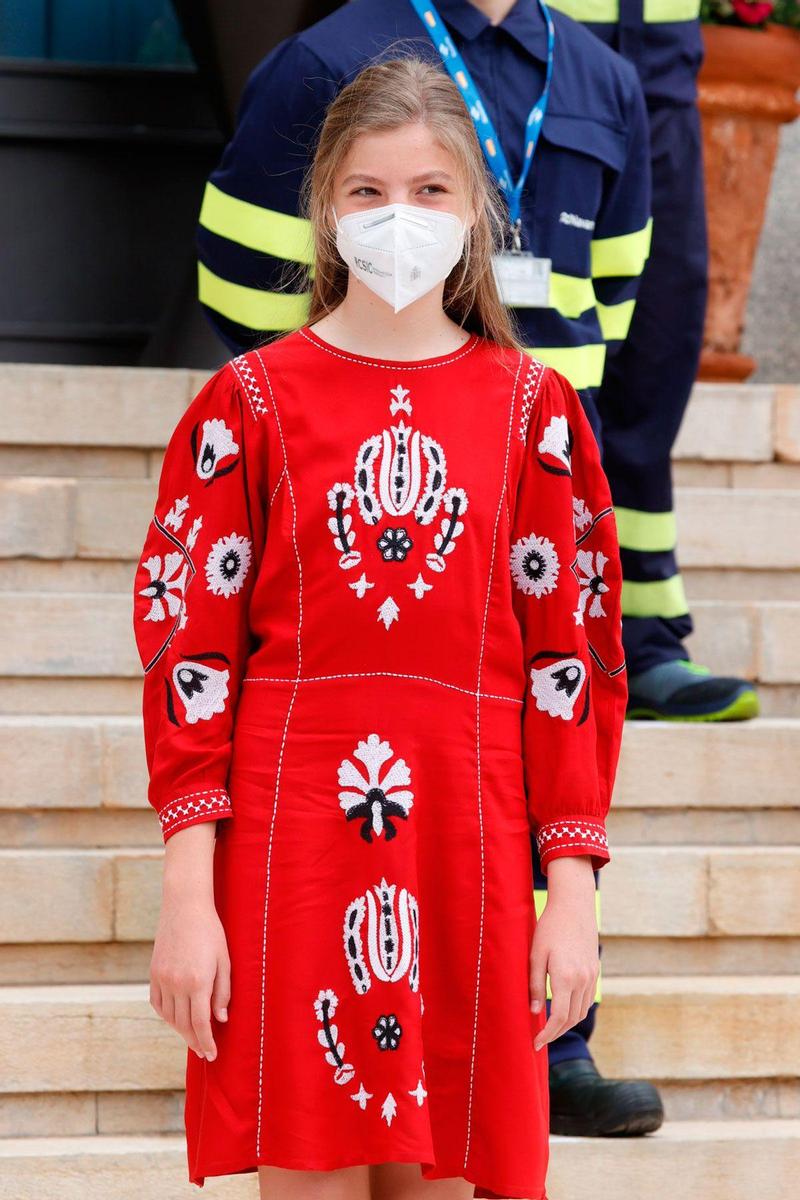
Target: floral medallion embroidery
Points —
{"points": [[588, 570], [399, 472], [557, 683], [374, 799], [387, 1032], [392, 937], [174, 518], [394, 544], [325, 1006], [202, 689], [210, 447], [556, 443], [167, 585], [534, 565], [227, 565]]}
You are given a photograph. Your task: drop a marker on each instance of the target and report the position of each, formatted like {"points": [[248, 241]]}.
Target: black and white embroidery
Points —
{"points": [[325, 1006], [455, 505], [392, 936], [340, 498], [557, 442], [387, 1032], [167, 585], [588, 570], [534, 565], [394, 544], [557, 681], [398, 472], [227, 565], [374, 799], [203, 689], [211, 445]]}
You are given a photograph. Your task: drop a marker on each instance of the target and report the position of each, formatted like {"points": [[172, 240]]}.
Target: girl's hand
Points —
{"points": [[565, 947], [190, 968]]}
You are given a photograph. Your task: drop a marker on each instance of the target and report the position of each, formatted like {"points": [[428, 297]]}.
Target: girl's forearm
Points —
{"points": [[571, 877], [189, 864]]}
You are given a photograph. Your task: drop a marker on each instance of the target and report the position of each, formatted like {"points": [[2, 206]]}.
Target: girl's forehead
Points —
{"points": [[405, 151]]}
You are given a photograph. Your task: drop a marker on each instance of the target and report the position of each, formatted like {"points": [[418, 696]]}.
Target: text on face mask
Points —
{"points": [[369, 267]]}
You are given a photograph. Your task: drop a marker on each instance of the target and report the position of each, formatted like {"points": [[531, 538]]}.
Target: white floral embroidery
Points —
{"points": [[435, 479], [534, 565], [419, 1093], [389, 611], [174, 518], [580, 514], [216, 444], [361, 585], [419, 587], [557, 441], [368, 452], [361, 1097], [371, 797], [590, 578], [340, 498], [202, 689], [325, 1006], [227, 565], [392, 936], [399, 401], [191, 536], [389, 1108], [166, 587], [556, 687], [455, 505]]}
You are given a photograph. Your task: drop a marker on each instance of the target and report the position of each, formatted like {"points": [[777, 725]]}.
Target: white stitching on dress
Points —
{"points": [[277, 485], [370, 674], [177, 813], [244, 373], [280, 753], [530, 393], [493, 555], [365, 362]]}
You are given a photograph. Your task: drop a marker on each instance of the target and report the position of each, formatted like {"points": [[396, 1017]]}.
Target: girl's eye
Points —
{"points": [[433, 188], [366, 190]]}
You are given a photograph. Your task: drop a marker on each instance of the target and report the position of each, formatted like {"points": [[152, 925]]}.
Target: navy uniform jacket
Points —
{"points": [[661, 37], [586, 204]]}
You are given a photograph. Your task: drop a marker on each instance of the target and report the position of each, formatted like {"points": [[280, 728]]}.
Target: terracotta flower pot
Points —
{"points": [[747, 90]]}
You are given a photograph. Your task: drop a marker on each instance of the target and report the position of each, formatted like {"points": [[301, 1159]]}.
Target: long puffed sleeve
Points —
{"points": [[566, 575], [191, 599]]}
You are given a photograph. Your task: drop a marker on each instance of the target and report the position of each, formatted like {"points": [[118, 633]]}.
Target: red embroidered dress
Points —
{"points": [[403, 580]]}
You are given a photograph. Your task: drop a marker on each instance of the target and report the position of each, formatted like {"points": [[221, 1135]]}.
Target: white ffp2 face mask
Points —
{"points": [[400, 251]]}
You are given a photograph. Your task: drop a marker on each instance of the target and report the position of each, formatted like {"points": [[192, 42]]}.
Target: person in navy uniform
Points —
{"points": [[584, 214]]}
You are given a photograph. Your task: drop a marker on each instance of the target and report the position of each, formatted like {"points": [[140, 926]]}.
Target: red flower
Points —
{"points": [[753, 12]]}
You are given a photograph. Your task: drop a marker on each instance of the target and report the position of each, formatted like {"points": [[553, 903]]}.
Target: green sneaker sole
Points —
{"points": [[743, 708]]}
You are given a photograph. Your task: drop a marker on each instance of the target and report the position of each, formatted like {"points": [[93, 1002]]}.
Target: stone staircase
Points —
{"points": [[701, 904]]}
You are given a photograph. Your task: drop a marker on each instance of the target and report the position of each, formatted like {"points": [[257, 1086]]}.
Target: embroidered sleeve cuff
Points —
{"points": [[571, 837], [192, 809]]}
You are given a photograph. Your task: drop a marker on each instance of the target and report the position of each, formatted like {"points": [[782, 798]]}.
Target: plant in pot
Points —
{"points": [[747, 89]]}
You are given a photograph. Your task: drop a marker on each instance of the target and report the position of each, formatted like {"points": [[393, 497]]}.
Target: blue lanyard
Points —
{"points": [[490, 142]]}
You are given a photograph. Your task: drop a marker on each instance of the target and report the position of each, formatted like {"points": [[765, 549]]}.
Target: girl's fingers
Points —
{"points": [[168, 1006], [155, 996], [200, 1012], [183, 1021], [221, 995], [556, 1022]]}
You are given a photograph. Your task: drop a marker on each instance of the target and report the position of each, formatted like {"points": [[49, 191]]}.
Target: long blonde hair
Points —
{"points": [[389, 95]]}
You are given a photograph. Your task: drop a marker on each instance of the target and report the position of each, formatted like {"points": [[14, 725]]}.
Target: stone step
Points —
{"points": [[93, 762], [106, 519], [113, 895], [95, 1037], [715, 1160], [91, 635], [138, 407]]}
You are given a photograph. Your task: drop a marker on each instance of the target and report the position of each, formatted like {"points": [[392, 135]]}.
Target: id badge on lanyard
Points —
{"points": [[523, 279]]}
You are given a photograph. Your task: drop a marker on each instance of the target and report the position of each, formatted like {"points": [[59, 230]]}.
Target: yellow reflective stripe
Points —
{"points": [[646, 531], [582, 365], [263, 229], [623, 255], [540, 900], [615, 319], [601, 11], [661, 11], [570, 295], [664, 598], [251, 307]]}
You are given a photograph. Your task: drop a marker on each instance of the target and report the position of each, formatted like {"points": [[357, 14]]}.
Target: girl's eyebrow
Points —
{"points": [[416, 179]]}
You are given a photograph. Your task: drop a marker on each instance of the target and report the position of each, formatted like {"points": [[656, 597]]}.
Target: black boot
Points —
{"points": [[584, 1104]]}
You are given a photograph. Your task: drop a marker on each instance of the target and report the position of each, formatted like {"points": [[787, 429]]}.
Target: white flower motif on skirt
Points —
{"points": [[325, 1006], [589, 573], [534, 565], [166, 587], [368, 796], [392, 936], [227, 565], [557, 442]]}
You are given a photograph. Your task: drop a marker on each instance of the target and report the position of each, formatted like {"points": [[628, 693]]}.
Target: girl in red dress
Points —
{"points": [[378, 609]]}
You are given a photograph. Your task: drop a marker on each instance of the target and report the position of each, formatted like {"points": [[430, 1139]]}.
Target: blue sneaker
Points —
{"points": [[680, 690]]}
